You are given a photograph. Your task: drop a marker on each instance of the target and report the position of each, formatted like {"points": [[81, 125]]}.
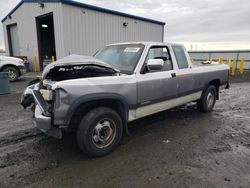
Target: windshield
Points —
{"points": [[122, 57]]}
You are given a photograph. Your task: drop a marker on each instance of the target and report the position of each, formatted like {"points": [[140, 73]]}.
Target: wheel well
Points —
{"points": [[215, 83], [86, 107], [8, 65]]}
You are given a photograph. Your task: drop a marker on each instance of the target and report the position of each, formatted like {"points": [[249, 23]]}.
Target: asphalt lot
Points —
{"points": [[176, 148]]}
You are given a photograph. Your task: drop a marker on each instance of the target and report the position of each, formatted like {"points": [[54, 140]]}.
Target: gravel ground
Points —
{"points": [[175, 148]]}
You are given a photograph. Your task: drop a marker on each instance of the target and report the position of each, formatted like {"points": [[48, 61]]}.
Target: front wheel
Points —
{"points": [[207, 101], [12, 73], [100, 131]]}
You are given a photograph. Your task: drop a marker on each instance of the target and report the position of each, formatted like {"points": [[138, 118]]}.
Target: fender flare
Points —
{"points": [[10, 65], [210, 83], [99, 96]]}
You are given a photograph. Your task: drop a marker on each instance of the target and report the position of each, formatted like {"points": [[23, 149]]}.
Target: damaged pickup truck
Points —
{"points": [[97, 96]]}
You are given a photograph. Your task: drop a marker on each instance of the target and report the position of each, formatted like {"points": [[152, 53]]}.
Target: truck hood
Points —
{"points": [[77, 66], [76, 60]]}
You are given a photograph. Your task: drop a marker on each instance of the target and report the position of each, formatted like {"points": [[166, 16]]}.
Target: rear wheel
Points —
{"points": [[100, 131], [12, 72], [207, 101]]}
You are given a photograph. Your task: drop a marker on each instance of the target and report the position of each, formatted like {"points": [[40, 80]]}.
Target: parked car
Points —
{"points": [[210, 62], [98, 96], [14, 66]]}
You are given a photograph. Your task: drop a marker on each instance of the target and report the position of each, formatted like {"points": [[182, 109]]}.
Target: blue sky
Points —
{"points": [[201, 25]]}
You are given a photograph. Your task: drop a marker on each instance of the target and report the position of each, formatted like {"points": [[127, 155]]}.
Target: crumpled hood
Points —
{"points": [[76, 60]]}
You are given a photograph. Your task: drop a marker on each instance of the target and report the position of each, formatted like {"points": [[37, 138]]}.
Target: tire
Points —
{"points": [[207, 101], [99, 132], [12, 72]]}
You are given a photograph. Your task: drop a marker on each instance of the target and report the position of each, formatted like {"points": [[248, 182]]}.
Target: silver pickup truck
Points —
{"points": [[97, 96]]}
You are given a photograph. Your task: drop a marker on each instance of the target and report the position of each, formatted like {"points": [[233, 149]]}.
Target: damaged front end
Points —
{"points": [[43, 99], [37, 99]]}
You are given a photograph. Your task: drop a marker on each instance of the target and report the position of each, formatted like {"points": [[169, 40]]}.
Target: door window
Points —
{"points": [[180, 57], [160, 52]]}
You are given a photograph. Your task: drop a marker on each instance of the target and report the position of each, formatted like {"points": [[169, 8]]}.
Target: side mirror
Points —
{"points": [[155, 64]]}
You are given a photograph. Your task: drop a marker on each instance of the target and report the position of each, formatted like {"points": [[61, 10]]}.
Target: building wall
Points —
{"points": [[86, 31], [25, 17], [2, 53], [77, 30]]}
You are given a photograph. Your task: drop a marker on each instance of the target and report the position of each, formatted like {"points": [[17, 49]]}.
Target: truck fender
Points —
{"points": [[99, 96], [216, 82]]}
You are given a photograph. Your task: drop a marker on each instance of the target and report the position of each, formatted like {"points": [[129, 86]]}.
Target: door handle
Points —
{"points": [[173, 75]]}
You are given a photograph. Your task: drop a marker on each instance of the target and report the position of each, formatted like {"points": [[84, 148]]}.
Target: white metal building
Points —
{"points": [[47, 28]]}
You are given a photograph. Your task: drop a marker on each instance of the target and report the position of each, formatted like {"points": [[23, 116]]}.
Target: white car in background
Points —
{"points": [[210, 62], [14, 66]]}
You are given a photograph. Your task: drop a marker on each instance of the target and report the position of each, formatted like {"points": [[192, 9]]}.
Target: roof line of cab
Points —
{"points": [[144, 43]]}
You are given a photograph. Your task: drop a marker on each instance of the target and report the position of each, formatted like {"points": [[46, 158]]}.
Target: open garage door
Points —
{"points": [[13, 40], [46, 39]]}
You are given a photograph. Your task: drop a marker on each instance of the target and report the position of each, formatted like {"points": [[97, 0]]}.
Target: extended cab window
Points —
{"points": [[180, 57], [159, 52]]}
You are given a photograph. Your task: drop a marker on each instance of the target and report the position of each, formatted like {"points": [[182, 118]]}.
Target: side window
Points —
{"points": [[160, 52], [180, 57]]}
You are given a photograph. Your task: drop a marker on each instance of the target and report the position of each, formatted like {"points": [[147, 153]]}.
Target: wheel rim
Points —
{"points": [[210, 99], [104, 133], [11, 74]]}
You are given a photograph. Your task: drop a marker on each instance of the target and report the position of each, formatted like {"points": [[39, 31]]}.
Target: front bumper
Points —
{"points": [[41, 117], [22, 69], [44, 123]]}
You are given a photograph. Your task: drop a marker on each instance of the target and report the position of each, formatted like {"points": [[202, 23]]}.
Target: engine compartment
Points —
{"points": [[68, 72]]}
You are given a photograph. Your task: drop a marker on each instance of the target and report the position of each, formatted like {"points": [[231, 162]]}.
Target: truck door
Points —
{"points": [[184, 73], [155, 88]]}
